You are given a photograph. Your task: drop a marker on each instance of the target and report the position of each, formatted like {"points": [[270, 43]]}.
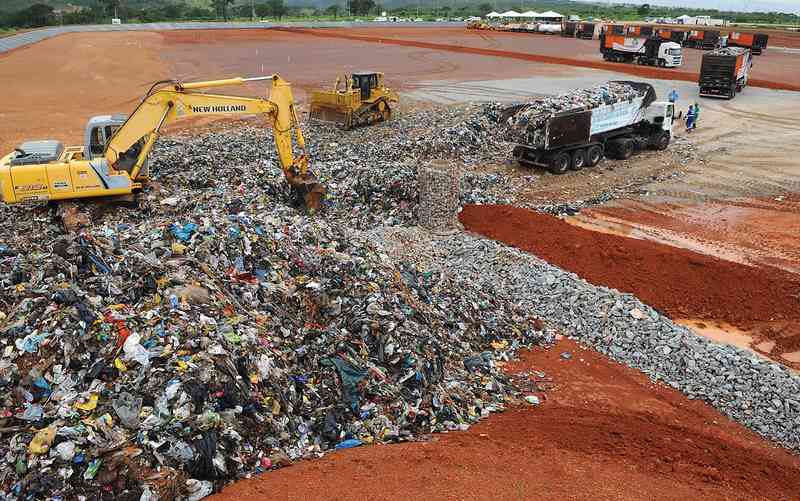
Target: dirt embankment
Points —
{"points": [[602, 432], [681, 283], [50, 89]]}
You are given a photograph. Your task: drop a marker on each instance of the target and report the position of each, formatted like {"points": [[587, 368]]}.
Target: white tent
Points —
{"points": [[530, 13], [550, 15], [493, 14], [510, 13]]}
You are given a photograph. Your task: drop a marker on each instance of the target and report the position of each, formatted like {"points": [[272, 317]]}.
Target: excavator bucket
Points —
{"points": [[307, 190]]}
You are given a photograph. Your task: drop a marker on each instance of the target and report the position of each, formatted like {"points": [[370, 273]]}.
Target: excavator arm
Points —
{"points": [[181, 100]]}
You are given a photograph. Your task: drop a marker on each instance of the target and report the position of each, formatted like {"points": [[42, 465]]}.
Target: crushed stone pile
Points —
{"points": [[216, 332], [526, 123], [756, 392]]}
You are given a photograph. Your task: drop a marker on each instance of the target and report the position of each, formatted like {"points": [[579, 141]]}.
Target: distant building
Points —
{"points": [[697, 21]]}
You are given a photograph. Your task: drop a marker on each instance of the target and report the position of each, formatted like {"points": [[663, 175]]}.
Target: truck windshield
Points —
{"points": [[674, 52]]}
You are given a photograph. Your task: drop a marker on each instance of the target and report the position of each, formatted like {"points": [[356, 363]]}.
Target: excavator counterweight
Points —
{"points": [[114, 158]]}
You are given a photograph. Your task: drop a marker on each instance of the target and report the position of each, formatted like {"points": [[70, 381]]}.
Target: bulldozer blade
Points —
{"points": [[329, 114]]}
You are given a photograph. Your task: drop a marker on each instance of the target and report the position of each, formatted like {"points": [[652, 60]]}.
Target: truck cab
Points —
{"points": [[671, 54], [661, 115]]}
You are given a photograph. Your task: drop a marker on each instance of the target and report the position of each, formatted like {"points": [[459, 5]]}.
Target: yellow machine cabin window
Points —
{"points": [[98, 143]]}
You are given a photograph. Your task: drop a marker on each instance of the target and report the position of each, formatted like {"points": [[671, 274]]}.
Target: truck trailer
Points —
{"points": [[702, 39], [649, 51], [677, 36], [581, 138], [569, 29], [639, 30], [724, 72], [585, 31], [756, 42]]}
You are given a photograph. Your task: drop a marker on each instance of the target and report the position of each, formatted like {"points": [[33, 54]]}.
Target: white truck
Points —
{"points": [[649, 51], [578, 139]]}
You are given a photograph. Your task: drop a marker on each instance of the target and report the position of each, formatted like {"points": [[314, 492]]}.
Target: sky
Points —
{"points": [[792, 6]]}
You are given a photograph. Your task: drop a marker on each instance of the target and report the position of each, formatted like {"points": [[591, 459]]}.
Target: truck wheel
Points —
{"points": [[560, 163], [578, 159], [662, 63], [662, 141], [593, 155], [625, 149]]}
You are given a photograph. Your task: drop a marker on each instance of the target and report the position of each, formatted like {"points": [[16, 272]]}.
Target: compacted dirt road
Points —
{"points": [[603, 432]]}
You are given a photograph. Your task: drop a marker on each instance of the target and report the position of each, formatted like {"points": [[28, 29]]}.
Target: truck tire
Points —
{"points": [[622, 149], [661, 141], [578, 159], [560, 163], [662, 63], [593, 155]]}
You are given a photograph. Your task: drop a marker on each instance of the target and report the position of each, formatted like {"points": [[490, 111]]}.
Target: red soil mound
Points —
{"points": [[602, 432], [681, 283]]}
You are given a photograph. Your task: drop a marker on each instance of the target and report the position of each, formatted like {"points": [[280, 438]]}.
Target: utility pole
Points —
{"points": [[253, 10]]}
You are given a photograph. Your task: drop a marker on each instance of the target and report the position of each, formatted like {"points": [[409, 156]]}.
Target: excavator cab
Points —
{"points": [[100, 130]]}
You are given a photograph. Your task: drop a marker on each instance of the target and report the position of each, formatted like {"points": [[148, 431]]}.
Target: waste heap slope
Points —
{"points": [[215, 332]]}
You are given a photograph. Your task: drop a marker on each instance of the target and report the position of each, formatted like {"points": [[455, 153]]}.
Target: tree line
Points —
{"points": [[101, 11]]}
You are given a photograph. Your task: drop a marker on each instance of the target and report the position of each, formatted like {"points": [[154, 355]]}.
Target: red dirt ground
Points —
{"points": [[603, 432], [769, 70], [681, 283]]}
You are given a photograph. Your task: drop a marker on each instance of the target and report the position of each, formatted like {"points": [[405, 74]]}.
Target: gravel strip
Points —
{"points": [[758, 393]]}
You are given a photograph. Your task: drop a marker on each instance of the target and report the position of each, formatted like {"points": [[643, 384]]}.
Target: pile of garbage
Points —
{"points": [[526, 122], [371, 179], [215, 332], [728, 51]]}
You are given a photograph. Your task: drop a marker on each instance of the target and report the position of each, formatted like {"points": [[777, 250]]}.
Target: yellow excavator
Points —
{"points": [[363, 100], [114, 158]]}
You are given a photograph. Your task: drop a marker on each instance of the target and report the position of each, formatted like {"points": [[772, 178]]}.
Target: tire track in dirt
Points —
{"points": [[642, 71]]}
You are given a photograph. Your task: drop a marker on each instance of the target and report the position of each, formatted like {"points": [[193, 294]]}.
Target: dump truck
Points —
{"points": [[585, 31], [702, 39], [756, 42], [581, 138], [569, 29], [614, 29], [677, 36], [647, 51], [363, 100], [639, 30], [724, 72]]}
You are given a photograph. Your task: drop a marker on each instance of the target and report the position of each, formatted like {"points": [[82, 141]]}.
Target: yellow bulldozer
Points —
{"points": [[354, 101], [113, 160]]}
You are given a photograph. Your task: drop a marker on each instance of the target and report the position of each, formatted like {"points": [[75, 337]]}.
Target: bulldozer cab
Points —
{"points": [[366, 81]]}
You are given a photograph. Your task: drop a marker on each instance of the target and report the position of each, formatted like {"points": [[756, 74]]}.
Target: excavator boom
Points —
{"points": [[119, 169]]}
